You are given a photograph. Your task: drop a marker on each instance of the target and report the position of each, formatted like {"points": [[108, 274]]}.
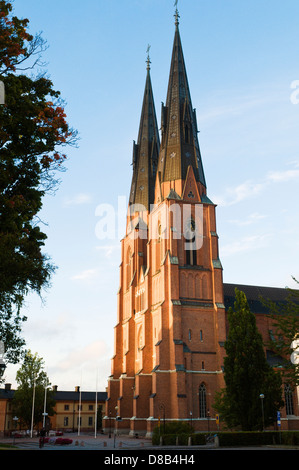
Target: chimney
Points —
{"points": [[77, 389], [7, 387], [55, 387]]}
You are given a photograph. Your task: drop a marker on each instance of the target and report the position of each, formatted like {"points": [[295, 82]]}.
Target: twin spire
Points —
{"points": [[179, 147]]}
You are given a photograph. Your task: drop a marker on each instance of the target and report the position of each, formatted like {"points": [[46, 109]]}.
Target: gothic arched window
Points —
{"points": [[288, 396], [190, 244], [202, 401], [128, 267], [158, 246]]}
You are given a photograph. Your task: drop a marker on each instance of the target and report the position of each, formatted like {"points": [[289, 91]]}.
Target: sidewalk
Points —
{"points": [[82, 442]]}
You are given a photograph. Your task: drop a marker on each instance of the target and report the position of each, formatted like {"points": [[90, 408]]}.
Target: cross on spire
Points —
{"points": [[148, 61], [176, 14]]}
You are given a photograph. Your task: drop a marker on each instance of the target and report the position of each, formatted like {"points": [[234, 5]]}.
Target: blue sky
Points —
{"points": [[242, 59]]}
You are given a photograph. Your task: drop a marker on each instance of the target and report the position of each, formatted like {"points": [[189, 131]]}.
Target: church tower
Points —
{"points": [[170, 329]]}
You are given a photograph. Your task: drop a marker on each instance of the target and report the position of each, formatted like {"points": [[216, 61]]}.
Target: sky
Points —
{"points": [[242, 60]]}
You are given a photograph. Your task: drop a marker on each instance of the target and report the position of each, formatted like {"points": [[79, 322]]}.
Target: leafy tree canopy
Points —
{"points": [[284, 337], [33, 135], [33, 392]]}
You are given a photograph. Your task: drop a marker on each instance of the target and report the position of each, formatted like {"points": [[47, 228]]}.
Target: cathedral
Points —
{"points": [[171, 310]]}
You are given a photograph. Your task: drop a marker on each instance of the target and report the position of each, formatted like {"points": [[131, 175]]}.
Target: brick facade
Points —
{"points": [[171, 320]]}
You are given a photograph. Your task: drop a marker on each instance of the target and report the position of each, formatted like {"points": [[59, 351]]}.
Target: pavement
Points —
{"points": [[115, 444], [81, 442]]}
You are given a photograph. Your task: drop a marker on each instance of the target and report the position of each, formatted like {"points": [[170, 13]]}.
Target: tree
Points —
{"points": [[32, 382], [284, 337], [247, 373], [33, 133]]}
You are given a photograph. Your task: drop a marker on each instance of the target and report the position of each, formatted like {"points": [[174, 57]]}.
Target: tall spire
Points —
{"points": [[146, 151], [179, 146]]}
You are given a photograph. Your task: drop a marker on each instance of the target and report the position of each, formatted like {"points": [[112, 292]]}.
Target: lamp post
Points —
{"points": [[33, 402], [15, 420], [262, 396], [45, 404], [162, 407], [44, 419], [115, 425], [109, 424]]}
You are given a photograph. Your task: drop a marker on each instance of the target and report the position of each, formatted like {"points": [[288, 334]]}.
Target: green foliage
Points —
{"points": [[175, 428], [247, 374], [32, 381], [233, 439], [284, 339], [33, 131]]}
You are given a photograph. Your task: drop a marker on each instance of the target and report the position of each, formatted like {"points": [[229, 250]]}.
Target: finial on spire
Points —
{"points": [[176, 15], [148, 61]]}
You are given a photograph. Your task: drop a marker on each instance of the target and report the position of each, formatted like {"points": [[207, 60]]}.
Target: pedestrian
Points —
{"points": [[42, 437]]}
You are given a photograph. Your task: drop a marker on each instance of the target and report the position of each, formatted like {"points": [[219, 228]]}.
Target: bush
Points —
{"points": [[172, 430], [258, 438], [226, 439]]}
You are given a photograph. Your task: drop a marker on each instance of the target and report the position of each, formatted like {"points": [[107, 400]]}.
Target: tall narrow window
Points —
{"points": [[186, 134], [202, 401], [190, 244], [288, 396], [128, 268], [158, 246]]}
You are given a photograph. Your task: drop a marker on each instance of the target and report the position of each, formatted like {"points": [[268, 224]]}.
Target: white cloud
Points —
{"points": [[249, 243], [87, 366], [239, 193], [78, 357], [85, 275], [282, 176], [249, 188], [252, 218], [243, 103], [78, 199], [109, 249]]}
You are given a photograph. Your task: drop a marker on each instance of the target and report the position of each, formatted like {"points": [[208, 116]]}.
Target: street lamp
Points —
{"points": [[262, 396], [109, 423], [115, 425], [15, 420], [32, 410], [45, 404], [162, 407], [44, 419]]}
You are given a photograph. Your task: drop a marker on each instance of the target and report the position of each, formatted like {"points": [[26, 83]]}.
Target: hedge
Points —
{"points": [[231, 439]]}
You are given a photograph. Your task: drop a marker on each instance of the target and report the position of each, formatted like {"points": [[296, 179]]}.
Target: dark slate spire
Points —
{"points": [[146, 151], [179, 146]]}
